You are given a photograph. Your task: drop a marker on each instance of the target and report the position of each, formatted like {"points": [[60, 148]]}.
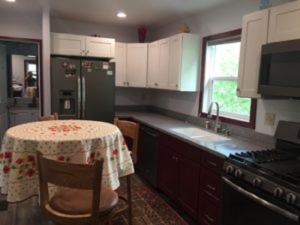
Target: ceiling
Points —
{"points": [[139, 12]]}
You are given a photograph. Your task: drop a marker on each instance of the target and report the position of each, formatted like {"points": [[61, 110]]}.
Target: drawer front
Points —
{"points": [[188, 151], [212, 162], [209, 213], [210, 185]]}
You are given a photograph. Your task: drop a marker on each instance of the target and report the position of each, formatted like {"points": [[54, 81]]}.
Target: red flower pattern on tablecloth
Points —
{"points": [[7, 155], [1, 155], [19, 161], [30, 172], [61, 158], [6, 169], [64, 128]]}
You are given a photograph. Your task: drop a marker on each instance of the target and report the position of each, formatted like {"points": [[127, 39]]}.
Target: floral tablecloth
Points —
{"points": [[76, 141]]}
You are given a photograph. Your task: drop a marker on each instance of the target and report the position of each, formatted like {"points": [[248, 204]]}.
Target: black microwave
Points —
{"points": [[280, 70]]}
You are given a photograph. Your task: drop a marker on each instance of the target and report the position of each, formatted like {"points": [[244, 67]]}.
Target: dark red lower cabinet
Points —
{"points": [[209, 213], [168, 172], [188, 186], [191, 177]]}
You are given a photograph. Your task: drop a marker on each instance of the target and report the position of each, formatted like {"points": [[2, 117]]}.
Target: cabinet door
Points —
{"points": [[164, 63], [120, 60], [168, 171], [175, 62], [284, 22], [153, 64], [254, 35], [67, 44], [136, 65], [100, 47], [188, 185]]}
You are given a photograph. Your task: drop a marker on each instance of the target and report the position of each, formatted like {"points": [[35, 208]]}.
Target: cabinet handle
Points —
{"points": [[127, 83], [176, 85], [211, 187], [124, 83], [156, 84], [212, 163], [209, 218]]}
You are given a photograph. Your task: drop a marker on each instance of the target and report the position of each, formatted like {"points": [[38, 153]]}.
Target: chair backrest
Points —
{"points": [[77, 176], [47, 118], [131, 130]]}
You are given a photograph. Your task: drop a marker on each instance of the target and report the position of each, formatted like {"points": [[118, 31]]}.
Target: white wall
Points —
{"points": [[120, 33], [46, 60], [19, 25], [218, 20]]}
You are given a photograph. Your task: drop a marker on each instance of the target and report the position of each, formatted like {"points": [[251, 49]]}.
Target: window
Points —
{"points": [[219, 79]]}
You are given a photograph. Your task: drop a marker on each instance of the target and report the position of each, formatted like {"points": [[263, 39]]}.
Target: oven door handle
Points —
{"points": [[261, 201]]}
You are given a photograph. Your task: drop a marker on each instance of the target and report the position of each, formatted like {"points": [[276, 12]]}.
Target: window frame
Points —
{"points": [[216, 37]]}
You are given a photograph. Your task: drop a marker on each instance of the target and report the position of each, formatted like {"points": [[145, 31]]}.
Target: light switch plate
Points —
{"points": [[270, 119]]}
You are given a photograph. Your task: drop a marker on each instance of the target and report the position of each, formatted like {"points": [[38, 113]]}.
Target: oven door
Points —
{"points": [[243, 205]]}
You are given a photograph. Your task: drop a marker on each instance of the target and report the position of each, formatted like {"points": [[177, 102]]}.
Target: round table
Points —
{"points": [[75, 141]]}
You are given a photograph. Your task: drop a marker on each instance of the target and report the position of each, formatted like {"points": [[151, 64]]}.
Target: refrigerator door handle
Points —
{"points": [[79, 98], [83, 96]]}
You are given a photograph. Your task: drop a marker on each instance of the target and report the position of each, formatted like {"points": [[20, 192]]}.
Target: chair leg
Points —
{"points": [[129, 196]]}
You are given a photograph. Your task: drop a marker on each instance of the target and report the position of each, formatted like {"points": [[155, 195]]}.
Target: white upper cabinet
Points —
{"points": [[120, 60], [284, 22], [184, 62], [77, 45], [136, 65], [173, 63], [163, 65], [153, 64], [67, 44], [254, 35], [104, 47]]}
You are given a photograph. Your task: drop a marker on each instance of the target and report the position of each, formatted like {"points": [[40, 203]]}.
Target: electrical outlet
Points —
{"points": [[270, 119]]}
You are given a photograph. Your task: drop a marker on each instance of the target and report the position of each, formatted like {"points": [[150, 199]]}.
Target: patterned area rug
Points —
{"points": [[148, 207]]}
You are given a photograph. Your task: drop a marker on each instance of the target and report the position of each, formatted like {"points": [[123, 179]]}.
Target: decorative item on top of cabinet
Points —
{"points": [[78, 45], [142, 33], [254, 35], [284, 22], [136, 65]]}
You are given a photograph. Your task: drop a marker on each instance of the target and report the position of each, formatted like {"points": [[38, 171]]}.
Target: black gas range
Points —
{"points": [[263, 187]]}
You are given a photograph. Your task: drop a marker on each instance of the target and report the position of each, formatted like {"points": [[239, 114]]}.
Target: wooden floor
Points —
{"points": [[25, 213]]}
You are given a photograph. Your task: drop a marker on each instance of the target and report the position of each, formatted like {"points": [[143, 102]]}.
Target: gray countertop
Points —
{"points": [[167, 125]]}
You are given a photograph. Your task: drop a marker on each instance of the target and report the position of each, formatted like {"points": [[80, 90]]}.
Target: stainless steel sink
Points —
{"points": [[200, 134]]}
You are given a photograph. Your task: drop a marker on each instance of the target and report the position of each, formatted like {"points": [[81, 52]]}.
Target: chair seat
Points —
{"points": [[75, 201]]}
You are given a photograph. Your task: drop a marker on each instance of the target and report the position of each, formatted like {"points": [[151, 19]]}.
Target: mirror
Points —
{"points": [[24, 76]]}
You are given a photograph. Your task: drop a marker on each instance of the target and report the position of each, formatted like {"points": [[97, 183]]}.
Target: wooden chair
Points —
{"points": [[80, 199], [47, 118], [130, 130]]}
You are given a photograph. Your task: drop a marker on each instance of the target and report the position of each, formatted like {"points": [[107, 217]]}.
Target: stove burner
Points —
{"points": [[264, 156]]}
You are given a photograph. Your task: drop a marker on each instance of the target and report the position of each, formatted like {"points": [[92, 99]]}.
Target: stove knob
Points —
{"points": [[229, 169], [256, 182], [278, 192], [238, 173], [291, 198]]}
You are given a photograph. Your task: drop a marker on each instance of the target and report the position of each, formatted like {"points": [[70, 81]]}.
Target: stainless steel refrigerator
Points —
{"points": [[82, 88]]}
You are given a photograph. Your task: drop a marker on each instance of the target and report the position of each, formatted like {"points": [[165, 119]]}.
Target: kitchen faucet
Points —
{"points": [[209, 115]]}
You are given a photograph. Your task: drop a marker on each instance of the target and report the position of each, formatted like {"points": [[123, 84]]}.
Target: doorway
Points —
{"points": [[20, 82]]}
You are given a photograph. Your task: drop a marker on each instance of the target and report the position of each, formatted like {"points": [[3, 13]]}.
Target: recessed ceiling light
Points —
{"points": [[10, 0], [121, 14]]}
